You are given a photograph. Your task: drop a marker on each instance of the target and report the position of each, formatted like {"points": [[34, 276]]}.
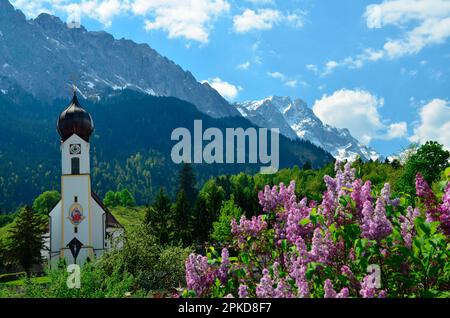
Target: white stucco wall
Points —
{"points": [[66, 157]]}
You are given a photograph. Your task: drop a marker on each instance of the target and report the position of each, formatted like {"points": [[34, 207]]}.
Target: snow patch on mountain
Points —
{"points": [[296, 120]]}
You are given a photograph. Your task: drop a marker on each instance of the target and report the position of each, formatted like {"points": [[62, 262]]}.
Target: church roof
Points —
{"points": [[75, 120], [111, 221]]}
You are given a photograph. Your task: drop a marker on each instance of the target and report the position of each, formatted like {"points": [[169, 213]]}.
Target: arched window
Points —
{"points": [[75, 165]]}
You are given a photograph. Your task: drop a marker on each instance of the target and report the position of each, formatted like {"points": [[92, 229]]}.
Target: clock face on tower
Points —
{"points": [[75, 149]]}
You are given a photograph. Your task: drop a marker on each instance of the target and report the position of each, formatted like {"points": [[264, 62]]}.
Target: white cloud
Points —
{"points": [[260, 2], [244, 66], [292, 83], [186, 19], [358, 111], [422, 23], [277, 75], [430, 20], [192, 20], [261, 19], [397, 130], [101, 10], [227, 90], [311, 67], [329, 67], [266, 19], [434, 123]]}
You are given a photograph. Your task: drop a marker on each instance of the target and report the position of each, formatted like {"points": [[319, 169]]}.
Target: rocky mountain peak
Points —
{"points": [[95, 61], [296, 120]]}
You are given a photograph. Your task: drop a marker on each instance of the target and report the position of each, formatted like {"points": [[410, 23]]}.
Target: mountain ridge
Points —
{"points": [[296, 120], [96, 61]]}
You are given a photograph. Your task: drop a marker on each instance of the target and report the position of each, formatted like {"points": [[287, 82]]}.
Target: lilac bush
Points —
{"points": [[300, 248]]}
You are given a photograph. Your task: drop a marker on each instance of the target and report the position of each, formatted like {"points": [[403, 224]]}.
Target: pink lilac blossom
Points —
{"points": [[199, 276], [375, 225], [424, 191], [445, 210]]}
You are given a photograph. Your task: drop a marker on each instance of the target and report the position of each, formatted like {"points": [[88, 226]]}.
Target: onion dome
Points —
{"points": [[75, 120]]}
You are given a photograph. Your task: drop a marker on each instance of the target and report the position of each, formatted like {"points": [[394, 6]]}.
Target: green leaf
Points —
{"points": [[284, 245], [305, 221], [245, 258]]}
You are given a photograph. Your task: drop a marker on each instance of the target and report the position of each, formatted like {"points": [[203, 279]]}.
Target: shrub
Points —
{"points": [[355, 243]]}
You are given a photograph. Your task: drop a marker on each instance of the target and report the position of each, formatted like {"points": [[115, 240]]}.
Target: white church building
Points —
{"points": [[80, 226]]}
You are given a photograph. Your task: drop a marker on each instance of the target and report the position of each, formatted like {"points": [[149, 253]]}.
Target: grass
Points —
{"points": [[128, 216], [4, 231], [21, 282]]}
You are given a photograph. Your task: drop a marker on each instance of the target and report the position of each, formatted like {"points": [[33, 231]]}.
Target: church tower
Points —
{"points": [[81, 227]]}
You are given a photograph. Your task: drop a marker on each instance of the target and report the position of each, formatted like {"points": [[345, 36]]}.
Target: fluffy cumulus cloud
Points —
{"points": [[227, 90], [261, 19], [266, 19], [358, 111], [192, 20], [426, 22], [434, 123], [180, 18], [422, 23], [102, 10]]}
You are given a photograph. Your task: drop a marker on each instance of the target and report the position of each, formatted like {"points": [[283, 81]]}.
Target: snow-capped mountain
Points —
{"points": [[45, 56], [296, 120]]}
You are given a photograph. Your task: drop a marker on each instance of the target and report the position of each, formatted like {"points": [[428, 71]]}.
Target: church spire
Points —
{"points": [[75, 120]]}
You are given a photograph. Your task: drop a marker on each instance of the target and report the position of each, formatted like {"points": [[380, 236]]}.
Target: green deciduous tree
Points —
{"points": [[121, 198], [429, 160], [222, 227], [25, 240], [46, 201]]}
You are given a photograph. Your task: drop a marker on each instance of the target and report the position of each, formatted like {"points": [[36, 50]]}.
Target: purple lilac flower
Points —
{"points": [[331, 293], [243, 291], [265, 287], [295, 214], [199, 276], [375, 225], [247, 228], [424, 191], [322, 247], [407, 225], [271, 198], [329, 289], [283, 290], [369, 288], [297, 271], [445, 210], [223, 270]]}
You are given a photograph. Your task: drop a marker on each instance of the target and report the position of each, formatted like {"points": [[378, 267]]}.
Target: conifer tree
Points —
{"points": [[187, 183], [25, 240], [159, 218], [183, 218]]}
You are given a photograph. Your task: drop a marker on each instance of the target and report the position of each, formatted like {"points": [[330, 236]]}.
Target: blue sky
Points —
{"points": [[379, 68]]}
